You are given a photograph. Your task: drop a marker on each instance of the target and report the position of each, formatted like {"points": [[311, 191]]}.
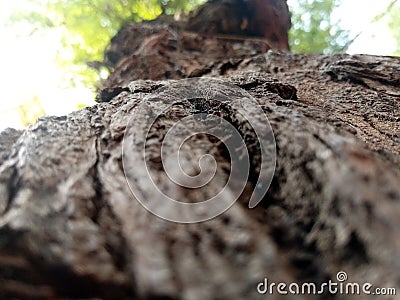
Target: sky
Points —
{"points": [[29, 70], [356, 15]]}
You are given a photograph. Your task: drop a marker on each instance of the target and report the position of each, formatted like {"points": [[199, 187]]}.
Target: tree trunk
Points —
{"points": [[71, 224]]}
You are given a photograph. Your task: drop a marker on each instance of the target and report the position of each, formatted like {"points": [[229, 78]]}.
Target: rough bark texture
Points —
{"points": [[70, 227], [269, 19], [222, 24]]}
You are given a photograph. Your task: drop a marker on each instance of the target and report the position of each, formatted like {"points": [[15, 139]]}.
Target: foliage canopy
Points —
{"points": [[313, 29]]}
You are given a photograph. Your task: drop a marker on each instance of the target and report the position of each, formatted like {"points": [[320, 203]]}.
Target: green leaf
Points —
{"points": [[314, 31]]}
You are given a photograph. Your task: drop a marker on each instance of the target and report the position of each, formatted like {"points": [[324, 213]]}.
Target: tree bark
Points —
{"points": [[71, 227]]}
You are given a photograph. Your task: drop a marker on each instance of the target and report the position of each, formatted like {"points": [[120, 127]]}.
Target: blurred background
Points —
{"points": [[51, 51]]}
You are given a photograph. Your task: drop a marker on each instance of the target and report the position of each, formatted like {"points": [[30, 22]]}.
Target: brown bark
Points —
{"points": [[70, 226], [269, 19]]}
